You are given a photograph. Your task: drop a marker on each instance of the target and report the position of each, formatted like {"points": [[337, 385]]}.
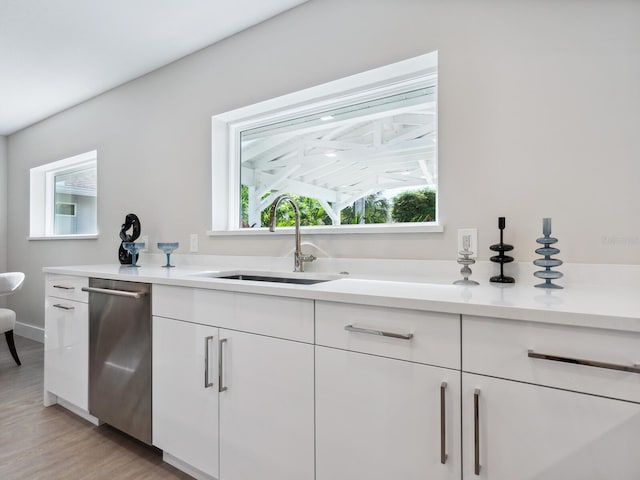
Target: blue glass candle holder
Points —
{"points": [[168, 248], [547, 262], [133, 248]]}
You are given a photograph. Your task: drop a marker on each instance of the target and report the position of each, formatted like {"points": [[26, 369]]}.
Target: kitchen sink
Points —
{"points": [[261, 278], [272, 277]]}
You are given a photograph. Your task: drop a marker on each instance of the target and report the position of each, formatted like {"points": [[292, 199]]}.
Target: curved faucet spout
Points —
{"points": [[299, 257]]}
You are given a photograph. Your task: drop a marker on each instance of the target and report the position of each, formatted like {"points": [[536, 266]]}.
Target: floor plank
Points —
{"points": [[52, 443]]}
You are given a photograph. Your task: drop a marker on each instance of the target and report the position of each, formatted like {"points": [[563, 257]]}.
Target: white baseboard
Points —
{"points": [[29, 331], [78, 411], [185, 467]]}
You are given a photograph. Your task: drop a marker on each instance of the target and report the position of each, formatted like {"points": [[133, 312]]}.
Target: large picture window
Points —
{"points": [[356, 153]]}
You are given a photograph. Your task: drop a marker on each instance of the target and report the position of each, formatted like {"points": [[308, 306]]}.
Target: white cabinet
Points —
{"points": [[414, 335], [258, 422], [66, 344], [530, 432], [266, 408], [381, 412], [380, 418], [249, 387], [185, 392], [547, 402]]}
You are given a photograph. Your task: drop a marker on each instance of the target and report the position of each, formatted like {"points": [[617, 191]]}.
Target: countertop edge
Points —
{"points": [[426, 297]]}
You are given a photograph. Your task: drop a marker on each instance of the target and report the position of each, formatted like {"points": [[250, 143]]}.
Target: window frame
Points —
{"points": [[226, 128], [42, 196]]}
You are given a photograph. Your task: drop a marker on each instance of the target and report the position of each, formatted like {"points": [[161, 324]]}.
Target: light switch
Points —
{"points": [[193, 243]]}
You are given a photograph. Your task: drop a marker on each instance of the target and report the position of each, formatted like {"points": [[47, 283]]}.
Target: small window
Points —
{"points": [[64, 198]]}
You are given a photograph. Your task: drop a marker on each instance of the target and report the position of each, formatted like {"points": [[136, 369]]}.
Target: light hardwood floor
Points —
{"points": [[52, 443]]}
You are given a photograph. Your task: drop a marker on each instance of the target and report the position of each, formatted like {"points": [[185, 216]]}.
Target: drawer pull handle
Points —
{"points": [[63, 287], [589, 363], [221, 387], [64, 307], [443, 424], [476, 431], [207, 346], [114, 292], [402, 336]]}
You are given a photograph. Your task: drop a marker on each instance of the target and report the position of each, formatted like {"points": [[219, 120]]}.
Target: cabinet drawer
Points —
{"points": [[501, 348], [434, 337], [66, 350], [282, 317], [67, 286]]}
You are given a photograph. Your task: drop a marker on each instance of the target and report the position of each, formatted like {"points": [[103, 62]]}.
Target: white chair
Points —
{"points": [[9, 283]]}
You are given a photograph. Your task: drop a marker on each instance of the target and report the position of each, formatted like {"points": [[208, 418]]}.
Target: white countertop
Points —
{"points": [[612, 306]]}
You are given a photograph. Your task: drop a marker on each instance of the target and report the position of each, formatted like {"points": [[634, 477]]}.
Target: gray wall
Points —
{"points": [[3, 203], [539, 111]]}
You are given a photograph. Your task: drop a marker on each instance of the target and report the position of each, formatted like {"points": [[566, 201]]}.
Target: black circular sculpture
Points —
{"points": [[131, 222], [501, 258]]}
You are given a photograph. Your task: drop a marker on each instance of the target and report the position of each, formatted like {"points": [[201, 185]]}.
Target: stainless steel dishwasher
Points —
{"points": [[120, 355]]}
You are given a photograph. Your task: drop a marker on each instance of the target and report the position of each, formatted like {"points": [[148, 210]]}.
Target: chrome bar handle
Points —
{"points": [[443, 426], [221, 388], [64, 307], [207, 347], [589, 363], [476, 430], [402, 336], [110, 291], [64, 287]]}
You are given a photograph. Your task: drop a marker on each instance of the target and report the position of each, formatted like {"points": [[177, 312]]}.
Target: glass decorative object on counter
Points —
{"points": [[547, 262], [501, 258], [465, 260], [133, 248], [168, 248]]}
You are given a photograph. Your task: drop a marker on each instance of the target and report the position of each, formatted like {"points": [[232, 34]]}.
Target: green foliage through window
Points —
{"points": [[406, 207], [416, 206]]}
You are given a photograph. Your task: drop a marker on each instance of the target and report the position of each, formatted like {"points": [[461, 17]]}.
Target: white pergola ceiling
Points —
{"points": [[57, 53], [340, 162]]}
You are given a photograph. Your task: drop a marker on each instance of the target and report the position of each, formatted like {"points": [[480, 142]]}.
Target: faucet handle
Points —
{"points": [[307, 258]]}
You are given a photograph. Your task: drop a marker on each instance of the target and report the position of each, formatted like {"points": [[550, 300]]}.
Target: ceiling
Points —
{"points": [[57, 53]]}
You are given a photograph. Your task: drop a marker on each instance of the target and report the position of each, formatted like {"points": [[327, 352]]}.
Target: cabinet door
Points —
{"points": [[529, 432], [66, 350], [185, 392], [379, 418], [266, 408]]}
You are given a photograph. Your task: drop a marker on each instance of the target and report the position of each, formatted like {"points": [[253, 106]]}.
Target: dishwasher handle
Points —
{"points": [[117, 293]]}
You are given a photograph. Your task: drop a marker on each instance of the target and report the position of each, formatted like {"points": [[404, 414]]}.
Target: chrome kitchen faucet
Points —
{"points": [[299, 257]]}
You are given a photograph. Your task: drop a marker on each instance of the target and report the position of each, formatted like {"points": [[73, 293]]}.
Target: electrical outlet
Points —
{"points": [[193, 243], [145, 240], [473, 236]]}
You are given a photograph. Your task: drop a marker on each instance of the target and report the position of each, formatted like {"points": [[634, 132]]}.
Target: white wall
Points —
{"points": [[539, 111]]}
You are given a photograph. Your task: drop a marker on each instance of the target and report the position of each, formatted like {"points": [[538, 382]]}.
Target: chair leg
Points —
{"points": [[12, 346]]}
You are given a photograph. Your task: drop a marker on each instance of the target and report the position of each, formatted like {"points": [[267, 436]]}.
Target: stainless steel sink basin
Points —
{"points": [[261, 278], [301, 278]]}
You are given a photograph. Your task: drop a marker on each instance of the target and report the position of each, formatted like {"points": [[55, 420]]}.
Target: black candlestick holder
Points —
{"points": [[501, 258]]}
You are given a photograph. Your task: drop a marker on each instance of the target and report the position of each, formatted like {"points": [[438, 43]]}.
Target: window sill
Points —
{"points": [[360, 229], [65, 237]]}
